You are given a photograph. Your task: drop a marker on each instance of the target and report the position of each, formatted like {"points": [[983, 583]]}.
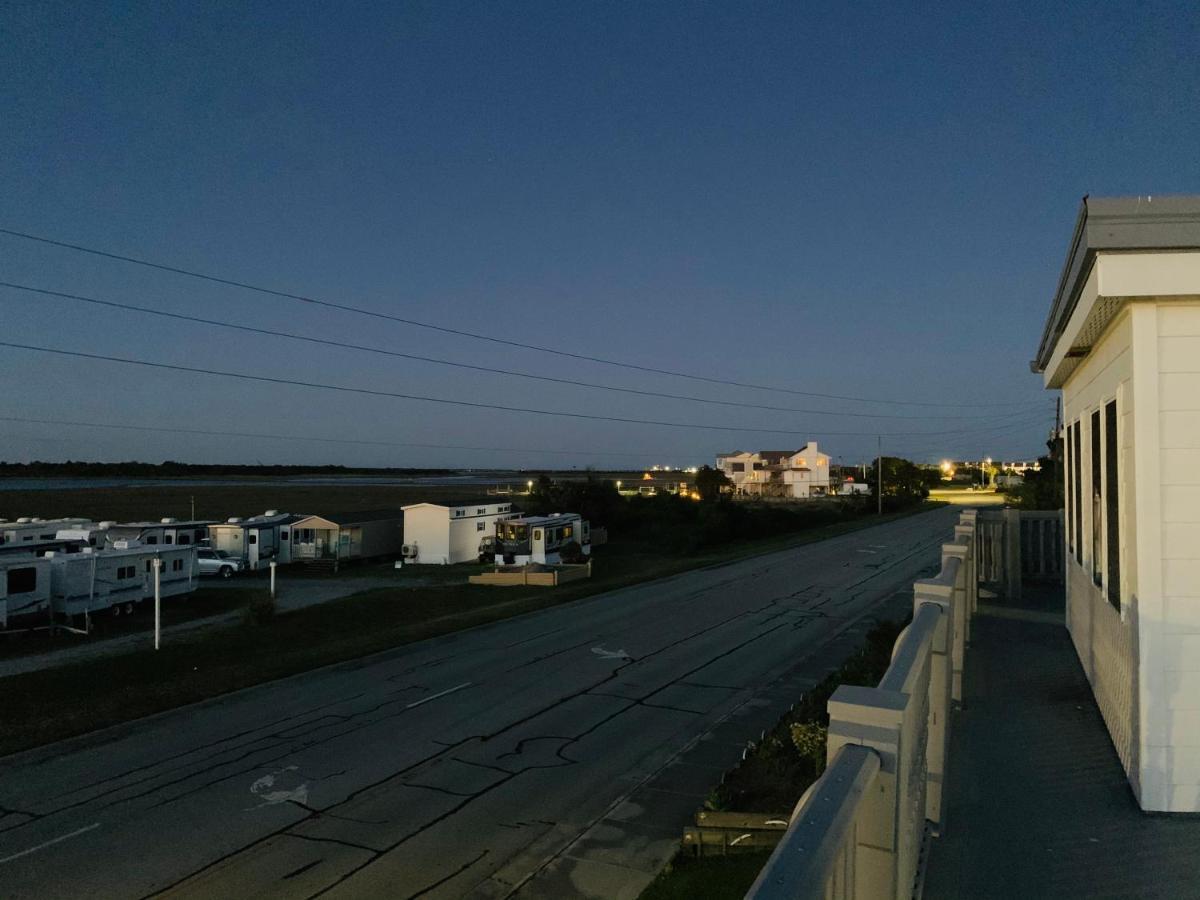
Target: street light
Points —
{"points": [[529, 487], [618, 485]]}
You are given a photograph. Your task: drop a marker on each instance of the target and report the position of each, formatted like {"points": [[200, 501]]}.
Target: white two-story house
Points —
{"points": [[792, 474]]}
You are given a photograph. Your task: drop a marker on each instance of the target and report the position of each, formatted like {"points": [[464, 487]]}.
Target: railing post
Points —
{"points": [[874, 718], [1012, 555], [941, 681]]}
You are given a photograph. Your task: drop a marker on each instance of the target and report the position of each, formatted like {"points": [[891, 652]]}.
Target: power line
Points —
{"points": [[206, 432], [358, 310], [460, 365], [77, 354]]}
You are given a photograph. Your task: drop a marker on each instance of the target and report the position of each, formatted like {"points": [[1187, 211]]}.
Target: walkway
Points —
{"points": [[1038, 801]]}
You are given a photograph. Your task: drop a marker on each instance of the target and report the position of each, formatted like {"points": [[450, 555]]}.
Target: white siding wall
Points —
{"points": [[1105, 640], [1172, 740], [428, 527]]}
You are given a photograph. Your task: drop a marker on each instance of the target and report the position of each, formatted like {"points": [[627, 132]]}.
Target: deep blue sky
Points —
{"points": [[864, 200]]}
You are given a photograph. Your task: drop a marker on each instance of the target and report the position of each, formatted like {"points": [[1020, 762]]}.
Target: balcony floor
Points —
{"points": [[1038, 804]]}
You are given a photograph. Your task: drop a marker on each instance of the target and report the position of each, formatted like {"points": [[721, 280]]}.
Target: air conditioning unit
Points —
{"points": [[409, 551]]}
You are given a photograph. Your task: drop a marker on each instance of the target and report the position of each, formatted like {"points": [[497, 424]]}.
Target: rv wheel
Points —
{"points": [[226, 571]]}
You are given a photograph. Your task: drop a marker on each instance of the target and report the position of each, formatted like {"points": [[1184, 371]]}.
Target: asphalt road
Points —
{"points": [[557, 754]]}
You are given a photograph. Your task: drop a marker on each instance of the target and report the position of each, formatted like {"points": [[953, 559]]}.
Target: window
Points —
{"points": [[1069, 492], [126, 572], [459, 513], [537, 534], [22, 581], [482, 510], [184, 539], [1097, 499], [283, 535], [253, 539], [152, 539], [567, 531], [177, 565], [1078, 496], [48, 537], [479, 526], [148, 566], [168, 538], [737, 467], [1112, 509]]}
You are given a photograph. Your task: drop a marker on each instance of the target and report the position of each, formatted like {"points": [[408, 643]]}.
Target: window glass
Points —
{"points": [[168, 539], [1112, 511], [184, 539], [479, 526], [537, 534], [1078, 494], [152, 539], [1097, 499], [253, 539], [283, 535], [22, 581]]}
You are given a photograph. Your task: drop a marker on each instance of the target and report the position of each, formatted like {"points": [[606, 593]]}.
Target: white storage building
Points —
{"points": [[442, 534]]}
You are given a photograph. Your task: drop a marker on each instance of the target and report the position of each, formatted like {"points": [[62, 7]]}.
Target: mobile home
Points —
{"points": [[24, 590], [345, 536], [445, 534], [540, 539], [257, 540]]}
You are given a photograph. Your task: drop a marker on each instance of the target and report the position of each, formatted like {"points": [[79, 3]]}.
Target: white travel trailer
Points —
{"points": [[24, 590], [257, 540], [171, 532], [540, 539], [116, 578], [30, 531]]}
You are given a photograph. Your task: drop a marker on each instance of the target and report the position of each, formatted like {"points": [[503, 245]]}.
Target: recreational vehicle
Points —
{"points": [[116, 578], [540, 539], [257, 540], [24, 590], [163, 532], [30, 531]]}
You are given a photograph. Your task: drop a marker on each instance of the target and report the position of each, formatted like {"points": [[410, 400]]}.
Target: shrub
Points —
{"points": [[810, 739]]}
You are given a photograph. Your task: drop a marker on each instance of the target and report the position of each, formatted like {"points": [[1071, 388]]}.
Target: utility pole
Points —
{"points": [[157, 601], [193, 508], [879, 490]]}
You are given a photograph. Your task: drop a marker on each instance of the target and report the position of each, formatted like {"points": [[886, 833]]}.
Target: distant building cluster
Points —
{"points": [[790, 474]]}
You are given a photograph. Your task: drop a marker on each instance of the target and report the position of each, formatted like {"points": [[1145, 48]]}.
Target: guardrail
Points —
{"points": [[1017, 545], [858, 832]]}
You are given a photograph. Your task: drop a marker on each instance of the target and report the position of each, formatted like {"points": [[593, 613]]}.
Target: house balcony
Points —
{"points": [[980, 766]]}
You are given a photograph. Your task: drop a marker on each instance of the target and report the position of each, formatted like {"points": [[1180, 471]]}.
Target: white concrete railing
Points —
{"points": [[858, 832]]}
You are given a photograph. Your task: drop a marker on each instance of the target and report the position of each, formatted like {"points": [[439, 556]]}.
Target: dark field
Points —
{"points": [[222, 501]]}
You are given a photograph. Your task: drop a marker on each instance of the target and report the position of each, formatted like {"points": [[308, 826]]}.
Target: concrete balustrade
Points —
{"points": [[857, 833]]}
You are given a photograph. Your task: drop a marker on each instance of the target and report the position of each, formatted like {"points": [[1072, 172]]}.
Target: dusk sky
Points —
{"points": [[857, 200]]}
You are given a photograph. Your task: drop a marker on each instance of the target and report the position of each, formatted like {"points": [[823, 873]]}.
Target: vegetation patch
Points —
{"points": [[776, 772]]}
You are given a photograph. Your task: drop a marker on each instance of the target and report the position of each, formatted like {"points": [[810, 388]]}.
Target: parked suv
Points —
{"points": [[217, 562]]}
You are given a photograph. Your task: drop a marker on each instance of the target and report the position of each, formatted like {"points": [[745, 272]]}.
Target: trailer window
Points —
{"points": [[184, 539], [152, 539], [22, 581], [283, 535], [253, 539], [169, 539], [177, 565]]}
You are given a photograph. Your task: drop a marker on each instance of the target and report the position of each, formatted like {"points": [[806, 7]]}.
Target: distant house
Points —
{"points": [[445, 534], [1122, 342], [795, 474], [347, 536]]}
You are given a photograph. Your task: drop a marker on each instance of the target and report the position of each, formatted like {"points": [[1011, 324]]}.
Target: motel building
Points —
{"points": [[1122, 343]]}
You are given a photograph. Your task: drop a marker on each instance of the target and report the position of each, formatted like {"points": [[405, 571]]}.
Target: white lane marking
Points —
{"points": [[457, 687], [50, 843], [261, 787], [864, 550], [610, 654]]}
